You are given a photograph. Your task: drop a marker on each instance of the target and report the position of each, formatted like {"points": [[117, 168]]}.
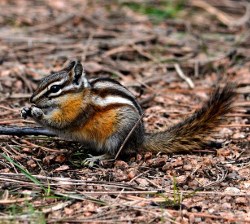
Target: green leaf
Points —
{"points": [[25, 172]]}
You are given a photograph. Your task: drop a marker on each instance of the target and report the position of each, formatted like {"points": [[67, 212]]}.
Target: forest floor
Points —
{"points": [[170, 54]]}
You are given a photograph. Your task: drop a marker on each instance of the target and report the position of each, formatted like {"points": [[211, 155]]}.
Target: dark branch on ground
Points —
{"points": [[20, 131]]}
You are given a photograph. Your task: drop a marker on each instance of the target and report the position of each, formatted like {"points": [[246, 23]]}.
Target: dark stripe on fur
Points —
{"points": [[115, 92]]}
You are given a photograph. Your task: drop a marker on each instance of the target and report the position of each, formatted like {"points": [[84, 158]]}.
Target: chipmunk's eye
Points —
{"points": [[55, 88]]}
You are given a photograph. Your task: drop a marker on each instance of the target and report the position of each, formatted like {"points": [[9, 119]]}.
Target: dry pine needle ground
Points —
{"points": [[170, 56]]}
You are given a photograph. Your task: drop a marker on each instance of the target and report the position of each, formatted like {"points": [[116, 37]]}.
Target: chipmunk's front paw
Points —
{"points": [[26, 112], [36, 112]]}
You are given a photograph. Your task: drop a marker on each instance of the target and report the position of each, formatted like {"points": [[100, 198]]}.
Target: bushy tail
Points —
{"points": [[192, 133]]}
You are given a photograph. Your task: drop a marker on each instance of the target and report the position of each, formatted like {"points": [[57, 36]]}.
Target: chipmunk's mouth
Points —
{"points": [[44, 105], [45, 108]]}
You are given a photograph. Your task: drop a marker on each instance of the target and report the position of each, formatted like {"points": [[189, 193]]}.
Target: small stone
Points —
{"points": [[241, 200], [142, 182], [138, 157], [208, 161], [61, 168], [68, 211], [234, 175], [246, 184], [48, 159], [226, 131], [181, 179], [18, 84], [211, 210], [132, 173], [148, 155], [159, 162], [191, 218], [223, 152], [178, 162], [239, 135], [60, 158], [31, 163], [188, 167], [149, 162], [166, 167], [232, 190], [198, 220], [120, 175], [26, 149], [226, 206], [121, 164]]}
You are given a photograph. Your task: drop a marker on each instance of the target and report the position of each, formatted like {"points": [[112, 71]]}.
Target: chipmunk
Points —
{"points": [[101, 113]]}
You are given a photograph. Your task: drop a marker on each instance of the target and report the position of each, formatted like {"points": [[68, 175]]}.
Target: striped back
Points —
{"points": [[104, 92], [107, 92]]}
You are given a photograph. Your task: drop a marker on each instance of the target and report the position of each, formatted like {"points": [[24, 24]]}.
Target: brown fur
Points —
{"points": [[71, 107], [101, 125], [192, 133], [72, 114]]}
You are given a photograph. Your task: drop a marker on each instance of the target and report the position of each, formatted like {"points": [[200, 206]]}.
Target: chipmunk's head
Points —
{"points": [[53, 88]]}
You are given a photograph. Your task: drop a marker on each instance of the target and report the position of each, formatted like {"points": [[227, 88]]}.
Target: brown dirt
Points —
{"points": [[208, 40]]}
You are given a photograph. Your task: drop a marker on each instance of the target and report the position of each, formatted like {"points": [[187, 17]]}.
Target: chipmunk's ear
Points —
{"points": [[76, 73]]}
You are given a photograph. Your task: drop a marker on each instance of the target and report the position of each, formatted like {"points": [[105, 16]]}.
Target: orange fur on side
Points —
{"points": [[101, 125], [71, 106]]}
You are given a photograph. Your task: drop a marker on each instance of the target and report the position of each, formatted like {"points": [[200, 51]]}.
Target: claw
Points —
{"points": [[36, 112], [91, 161], [26, 112]]}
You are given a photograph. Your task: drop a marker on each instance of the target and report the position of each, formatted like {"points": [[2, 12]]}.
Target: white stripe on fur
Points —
{"points": [[109, 100], [47, 88]]}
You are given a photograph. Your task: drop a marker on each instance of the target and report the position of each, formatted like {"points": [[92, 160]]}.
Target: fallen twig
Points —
{"points": [[224, 18], [20, 131], [182, 75], [129, 134]]}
